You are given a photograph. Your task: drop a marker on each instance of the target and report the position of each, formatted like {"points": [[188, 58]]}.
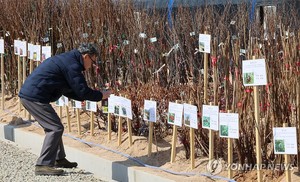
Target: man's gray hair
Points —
{"points": [[88, 48]]}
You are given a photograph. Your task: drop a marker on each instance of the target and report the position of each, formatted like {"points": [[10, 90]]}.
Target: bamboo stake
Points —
{"points": [[174, 141]]}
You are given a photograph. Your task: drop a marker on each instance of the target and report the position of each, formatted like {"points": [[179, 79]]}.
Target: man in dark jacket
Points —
{"points": [[56, 76]]}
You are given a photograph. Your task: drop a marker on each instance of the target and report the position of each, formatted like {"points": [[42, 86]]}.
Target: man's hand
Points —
{"points": [[106, 94]]}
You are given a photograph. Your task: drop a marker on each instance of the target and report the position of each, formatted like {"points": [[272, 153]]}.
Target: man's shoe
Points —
{"points": [[47, 170], [64, 163]]}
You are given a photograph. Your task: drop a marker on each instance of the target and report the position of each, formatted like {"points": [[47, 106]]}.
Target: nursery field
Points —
{"points": [[159, 158]]}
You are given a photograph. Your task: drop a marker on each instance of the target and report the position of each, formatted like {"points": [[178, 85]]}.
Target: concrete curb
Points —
{"points": [[102, 168]]}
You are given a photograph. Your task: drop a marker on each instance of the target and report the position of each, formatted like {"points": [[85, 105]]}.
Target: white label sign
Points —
{"points": [[62, 101], [254, 72], [1, 46], [125, 107], [30, 51], [150, 110], [76, 104], [190, 116], [23, 48], [153, 39], [210, 117], [285, 140], [175, 114], [16, 47], [36, 53], [91, 106], [229, 125], [46, 52], [204, 43]]}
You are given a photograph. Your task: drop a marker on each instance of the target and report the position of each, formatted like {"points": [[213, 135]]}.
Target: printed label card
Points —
{"points": [[36, 53], [1, 46], [16, 47], [46, 52], [150, 110], [114, 104], [190, 116], [125, 107], [128, 108], [254, 72], [76, 104], [210, 117], [62, 101], [229, 125], [30, 50], [175, 114], [22, 48], [142, 35], [104, 105], [285, 140], [91, 106], [204, 43], [153, 39]]}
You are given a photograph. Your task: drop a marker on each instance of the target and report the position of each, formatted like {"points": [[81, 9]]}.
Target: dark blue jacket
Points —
{"points": [[56, 76]]}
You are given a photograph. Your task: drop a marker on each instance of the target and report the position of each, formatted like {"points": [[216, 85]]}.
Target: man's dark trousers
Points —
{"points": [[53, 148]]}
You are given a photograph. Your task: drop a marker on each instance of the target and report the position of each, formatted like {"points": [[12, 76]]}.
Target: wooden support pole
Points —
{"points": [[24, 59], [211, 143], [150, 137], [109, 126], [60, 112], [174, 141], [192, 145], [257, 135], [2, 81], [150, 141], [119, 130], [230, 155], [287, 161], [78, 121], [19, 79], [92, 123], [30, 71], [68, 118], [205, 76], [129, 131]]}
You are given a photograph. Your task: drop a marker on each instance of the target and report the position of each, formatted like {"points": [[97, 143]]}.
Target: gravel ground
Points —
{"points": [[17, 165]]}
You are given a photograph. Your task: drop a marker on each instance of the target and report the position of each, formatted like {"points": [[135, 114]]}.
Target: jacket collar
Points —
{"points": [[79, 57]]}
